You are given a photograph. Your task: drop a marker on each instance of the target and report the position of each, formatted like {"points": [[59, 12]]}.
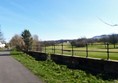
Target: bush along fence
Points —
{"points": [[100, 51]]}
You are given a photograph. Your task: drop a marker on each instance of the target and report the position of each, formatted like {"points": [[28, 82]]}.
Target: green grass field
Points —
{"points": [[94, 51], [50, 72]]}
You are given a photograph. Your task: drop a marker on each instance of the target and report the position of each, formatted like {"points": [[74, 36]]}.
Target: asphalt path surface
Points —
{"points": [[12, 71]]}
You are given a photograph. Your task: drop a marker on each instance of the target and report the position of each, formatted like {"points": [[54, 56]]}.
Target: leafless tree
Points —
{"points": [[36, 45], [1, 36], [17, 42]]}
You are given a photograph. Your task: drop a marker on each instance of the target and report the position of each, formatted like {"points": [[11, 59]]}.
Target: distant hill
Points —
{"points": [[101, 36], [70, 40]]}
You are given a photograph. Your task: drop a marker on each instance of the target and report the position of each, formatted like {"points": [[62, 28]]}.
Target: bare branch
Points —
{"points": [[113, 25]]}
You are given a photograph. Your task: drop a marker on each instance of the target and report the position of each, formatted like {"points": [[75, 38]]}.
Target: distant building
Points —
{"points": [[2, 45]]}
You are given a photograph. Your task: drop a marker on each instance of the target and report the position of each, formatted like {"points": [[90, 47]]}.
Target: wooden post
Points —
{"points": [[86, 50], [54, 48], [107, 51], [45, 48], [72, 51], [62, 49]]}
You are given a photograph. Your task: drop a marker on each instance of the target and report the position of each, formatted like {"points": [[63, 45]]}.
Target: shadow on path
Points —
{"points": [[5, 53]]}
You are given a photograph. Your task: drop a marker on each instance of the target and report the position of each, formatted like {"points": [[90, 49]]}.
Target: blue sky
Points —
{"points": [[58, 19]]}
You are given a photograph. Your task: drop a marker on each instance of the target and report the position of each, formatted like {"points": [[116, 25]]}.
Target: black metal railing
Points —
{"points": [[103, 51]]}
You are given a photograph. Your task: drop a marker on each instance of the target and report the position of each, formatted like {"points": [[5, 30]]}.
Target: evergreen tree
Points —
{"points": [[26, 35]]}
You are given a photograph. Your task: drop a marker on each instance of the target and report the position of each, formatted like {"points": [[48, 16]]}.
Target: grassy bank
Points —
{"points": [[53, 73]]}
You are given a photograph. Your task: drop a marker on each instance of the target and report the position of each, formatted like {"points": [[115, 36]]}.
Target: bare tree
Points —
{"points": [[36, 45], [17, 42], [1, 36]]}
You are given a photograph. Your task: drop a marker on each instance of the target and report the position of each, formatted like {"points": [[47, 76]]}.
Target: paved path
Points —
{"points": [[11, 71]]}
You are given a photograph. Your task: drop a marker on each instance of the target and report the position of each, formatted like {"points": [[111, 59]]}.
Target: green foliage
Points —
{"points": [[50, 72], [26, 35]]}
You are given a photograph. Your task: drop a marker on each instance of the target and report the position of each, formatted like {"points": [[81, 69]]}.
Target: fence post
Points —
{"points": [[54, 48], [107, 51], [86, 50], [72, 51], [45, 48], [41, 48], [37, 48], [62, 49]]}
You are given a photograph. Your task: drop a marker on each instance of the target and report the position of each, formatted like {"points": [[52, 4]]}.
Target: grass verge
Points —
{"points": [[50, 72]]}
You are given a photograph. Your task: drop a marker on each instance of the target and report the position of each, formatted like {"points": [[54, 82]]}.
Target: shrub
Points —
{"points": [[79, 43]]}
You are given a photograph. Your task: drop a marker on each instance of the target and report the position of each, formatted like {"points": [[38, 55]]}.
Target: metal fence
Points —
{"points": [[102, 51]]}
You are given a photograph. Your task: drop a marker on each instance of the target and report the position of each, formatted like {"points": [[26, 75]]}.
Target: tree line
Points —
{"points": [[81, 42], [25, 41]]}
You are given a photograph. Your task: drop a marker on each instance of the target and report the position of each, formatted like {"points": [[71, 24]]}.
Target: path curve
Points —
{"points": [[12, 71]]}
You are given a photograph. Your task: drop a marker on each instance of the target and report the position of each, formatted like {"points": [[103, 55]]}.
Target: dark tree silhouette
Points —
{"points": [[113, 39], [26, 35]]}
